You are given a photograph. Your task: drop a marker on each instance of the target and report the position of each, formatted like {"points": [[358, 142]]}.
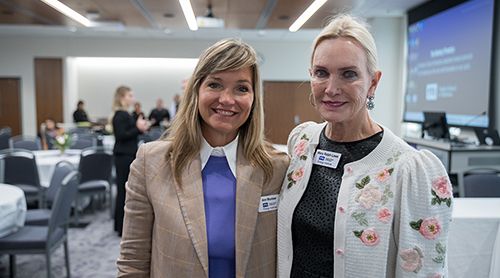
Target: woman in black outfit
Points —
{"points": [[126, 130]]}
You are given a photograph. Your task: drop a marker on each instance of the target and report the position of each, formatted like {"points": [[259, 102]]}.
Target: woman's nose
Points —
{"points": [[226, 97], [332, 86]]}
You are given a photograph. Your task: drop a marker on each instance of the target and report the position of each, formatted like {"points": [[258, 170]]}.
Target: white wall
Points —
{"points": [[283, 60]]}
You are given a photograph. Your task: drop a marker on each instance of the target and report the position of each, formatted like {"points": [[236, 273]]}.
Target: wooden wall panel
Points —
{"points": [[286, 104], [10, 111], [49, 89]]}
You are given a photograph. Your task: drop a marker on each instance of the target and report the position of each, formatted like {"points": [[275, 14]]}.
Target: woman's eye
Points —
{"points": [[321, 73], [243, 89], [350, 74], [213, 85]]}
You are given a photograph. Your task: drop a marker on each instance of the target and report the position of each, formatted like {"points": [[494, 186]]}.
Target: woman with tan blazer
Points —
{"points": [[202, 202]]}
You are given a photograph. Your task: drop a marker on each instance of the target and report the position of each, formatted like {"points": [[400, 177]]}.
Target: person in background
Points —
{"points": [[358, 201], [175, 106], [137, 111], [202, 203], [80, 116], [50, 133], [159, 114], [126, 130]]}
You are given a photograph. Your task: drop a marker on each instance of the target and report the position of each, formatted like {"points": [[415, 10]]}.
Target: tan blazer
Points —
{"points": [[164, 231]]}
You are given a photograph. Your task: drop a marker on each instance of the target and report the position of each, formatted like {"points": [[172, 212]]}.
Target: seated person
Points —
{"points": [[50, 133], [159, 114], [80, 116], [137, 111]]}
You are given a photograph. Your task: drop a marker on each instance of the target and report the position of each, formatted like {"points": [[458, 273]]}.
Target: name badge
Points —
{"points": [[268, 203], [326, 158]]}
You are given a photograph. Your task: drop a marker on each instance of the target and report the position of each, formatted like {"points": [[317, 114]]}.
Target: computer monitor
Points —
{"points": [[436, 125]]}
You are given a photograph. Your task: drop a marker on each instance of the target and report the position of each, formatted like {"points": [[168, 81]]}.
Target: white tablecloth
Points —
{"points": [[47, 160], [474, 243], [12, 209]]}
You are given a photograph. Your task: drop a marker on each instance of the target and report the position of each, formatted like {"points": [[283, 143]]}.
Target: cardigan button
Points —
{"points": [[341, 209], [339, 252]]}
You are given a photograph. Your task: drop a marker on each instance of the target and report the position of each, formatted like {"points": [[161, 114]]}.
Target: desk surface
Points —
{"points": [[12, 209], [474, 242], [448, 146]]}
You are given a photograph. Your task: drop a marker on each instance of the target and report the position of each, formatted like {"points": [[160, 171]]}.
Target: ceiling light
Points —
{"points": [[306, 15], [67, 11], [187, 9]]}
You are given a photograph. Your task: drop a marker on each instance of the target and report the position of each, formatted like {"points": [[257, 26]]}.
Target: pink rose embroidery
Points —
{"points": [[430, 228], [436, 276], [413, 259], [300, 148], [297, 174], [349, 170], [382, 175], [442, 186], [370, 237], [368, 196], [384, 215]]}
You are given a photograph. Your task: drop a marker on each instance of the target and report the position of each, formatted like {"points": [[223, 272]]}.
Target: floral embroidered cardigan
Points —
{"points": [[393, 211]]}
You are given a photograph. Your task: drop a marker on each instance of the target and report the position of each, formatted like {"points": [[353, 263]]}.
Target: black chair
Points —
{"points": [[27, 142], [42, 216], [79, 130], [144, 138], [156, 132], [5, 134], [95, 171], [44, 239], [482, 183], [20, 169], [82, 141]]}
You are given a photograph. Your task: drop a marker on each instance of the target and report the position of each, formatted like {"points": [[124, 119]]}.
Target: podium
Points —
{"points": [[459, 159]]}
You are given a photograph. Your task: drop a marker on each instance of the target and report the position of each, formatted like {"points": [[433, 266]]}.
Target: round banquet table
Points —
{"points": [[46, 162], [12, 209]]}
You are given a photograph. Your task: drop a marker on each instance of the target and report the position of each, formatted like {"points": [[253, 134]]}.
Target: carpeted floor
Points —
{"points": [[93, 252]]}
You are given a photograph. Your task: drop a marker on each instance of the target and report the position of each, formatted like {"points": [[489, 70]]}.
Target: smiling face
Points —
{"points": [[225, 102], [341, 82]]}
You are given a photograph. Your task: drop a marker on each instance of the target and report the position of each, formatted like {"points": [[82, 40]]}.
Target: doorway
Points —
{"points": [[286, 105], [10, 111]]}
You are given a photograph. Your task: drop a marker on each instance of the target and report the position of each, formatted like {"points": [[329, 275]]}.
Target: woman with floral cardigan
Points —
{"points": [[357, 200]]}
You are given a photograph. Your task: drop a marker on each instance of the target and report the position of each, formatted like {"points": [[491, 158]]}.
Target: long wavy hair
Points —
{"points": [[117, 102], [185, 132]]}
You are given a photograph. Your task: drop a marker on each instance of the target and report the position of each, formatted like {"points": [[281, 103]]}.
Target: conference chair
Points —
{"points": [[42, 216], [5, 134], [82, 141], [482, 183], [45, 239], [27, 142], [95, 173], [156, 132], [20, 169]]}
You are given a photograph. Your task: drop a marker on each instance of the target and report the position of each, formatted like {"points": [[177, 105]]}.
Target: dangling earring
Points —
{"points": [[310, 101], [370, 104]]}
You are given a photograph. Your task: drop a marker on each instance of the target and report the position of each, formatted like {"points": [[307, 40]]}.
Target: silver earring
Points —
{"points": [[370, 104], [310, 101]]}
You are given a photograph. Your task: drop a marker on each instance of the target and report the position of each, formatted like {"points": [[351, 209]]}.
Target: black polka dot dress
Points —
{"points": [[314, 216]]}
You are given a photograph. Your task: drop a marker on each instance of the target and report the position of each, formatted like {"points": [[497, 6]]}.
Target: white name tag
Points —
{"points": [[268, 203], [326, 158]]}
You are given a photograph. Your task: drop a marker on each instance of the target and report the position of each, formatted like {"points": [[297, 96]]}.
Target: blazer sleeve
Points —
{"points": [[135, 259], [424, 219], [124, 129]]}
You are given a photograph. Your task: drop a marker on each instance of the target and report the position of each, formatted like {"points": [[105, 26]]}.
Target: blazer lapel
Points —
{"points": [[248, 192], [193, 209]]}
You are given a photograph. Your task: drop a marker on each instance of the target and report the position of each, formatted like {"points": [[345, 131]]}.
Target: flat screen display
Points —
{"points": [[449, 64]]}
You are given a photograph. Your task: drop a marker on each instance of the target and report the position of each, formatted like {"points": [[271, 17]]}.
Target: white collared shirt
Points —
{"points": [[229, 151]]}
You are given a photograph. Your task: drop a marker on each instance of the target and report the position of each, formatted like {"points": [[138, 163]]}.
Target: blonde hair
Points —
{"points": [[117, 102], [346, 26], [185, 132]]}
